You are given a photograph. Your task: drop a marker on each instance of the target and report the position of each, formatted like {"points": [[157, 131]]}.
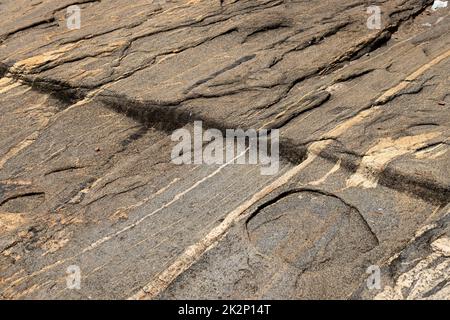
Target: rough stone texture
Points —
{"points": [[86, 176]]}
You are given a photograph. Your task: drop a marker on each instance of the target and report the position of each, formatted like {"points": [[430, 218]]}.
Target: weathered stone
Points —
{"points": [[86, 176]]}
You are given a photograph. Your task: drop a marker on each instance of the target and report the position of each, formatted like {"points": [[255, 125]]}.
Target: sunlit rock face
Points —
{"points": [[93, 205]]}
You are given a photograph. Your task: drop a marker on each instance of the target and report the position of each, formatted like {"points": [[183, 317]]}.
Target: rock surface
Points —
{"points": [[86, 176]]}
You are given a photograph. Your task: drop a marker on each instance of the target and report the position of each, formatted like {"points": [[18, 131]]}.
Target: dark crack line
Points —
{"points": [[284, 194]]}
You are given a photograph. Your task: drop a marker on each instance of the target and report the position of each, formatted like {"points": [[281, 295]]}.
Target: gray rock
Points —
{"points": [[86, 176]]}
